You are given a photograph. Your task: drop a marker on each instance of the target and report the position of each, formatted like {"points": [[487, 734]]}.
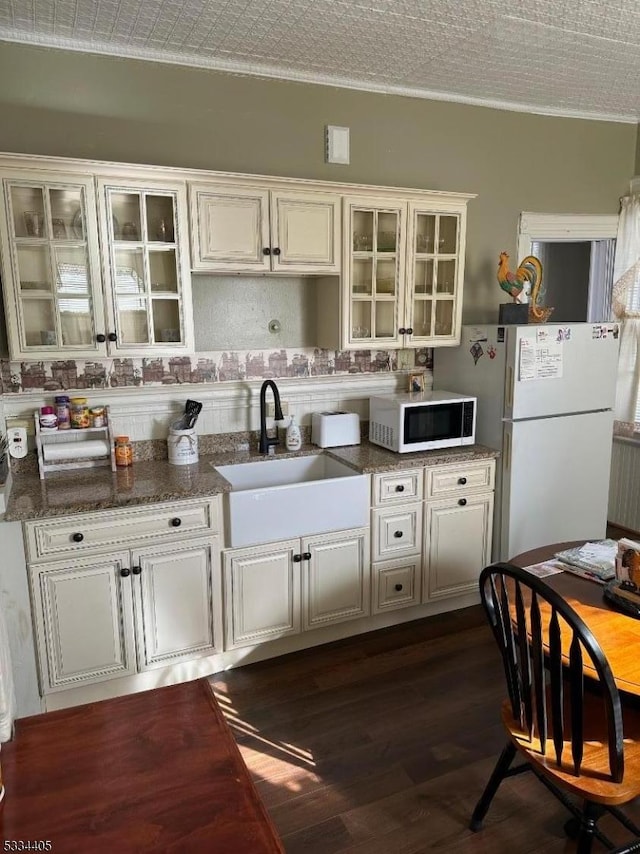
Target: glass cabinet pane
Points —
{"points": [[448, 235], [34, 268], [126, 216], [421, 321], [385, 320], [160, 218], [129, 273], [362, 279], [425, 233], [39, 322], [423, 280], [133, 327], [163, 270], [166, 320], [362, 231], [27, 204], [73, 292], [446, 277], [387, 234], [66, 205], [361, 319], [444, 317], [386, 278]]}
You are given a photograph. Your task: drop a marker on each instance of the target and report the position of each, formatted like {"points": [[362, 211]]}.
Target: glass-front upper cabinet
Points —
{"points": [[51, 280], [434, 297], [376, 240], [145, 240]]}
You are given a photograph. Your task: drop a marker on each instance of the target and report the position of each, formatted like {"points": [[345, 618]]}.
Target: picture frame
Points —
{"points": [[416, 382]]}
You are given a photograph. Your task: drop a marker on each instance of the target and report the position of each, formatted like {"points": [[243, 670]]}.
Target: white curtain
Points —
{"points": [[7, 693], [626, 277]]}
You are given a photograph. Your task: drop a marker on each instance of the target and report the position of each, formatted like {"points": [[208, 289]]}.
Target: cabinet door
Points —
{"points": [[262, 593], [434, 276], [177, 598], [145, 242], [51, 267], [457, 544], [84, 621], [397, 531], [230, 228], [305, 232], [374, 272], [335, 578]]}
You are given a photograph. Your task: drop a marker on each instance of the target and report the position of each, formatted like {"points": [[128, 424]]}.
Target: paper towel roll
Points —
{"points": [[89, 449]]}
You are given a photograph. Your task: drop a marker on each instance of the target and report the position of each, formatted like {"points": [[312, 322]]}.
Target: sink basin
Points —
{"points": [[275, 499]]}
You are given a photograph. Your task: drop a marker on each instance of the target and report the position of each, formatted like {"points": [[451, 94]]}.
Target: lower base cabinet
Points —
{"points": [[280, 589], [457, 544], [122, 613]]}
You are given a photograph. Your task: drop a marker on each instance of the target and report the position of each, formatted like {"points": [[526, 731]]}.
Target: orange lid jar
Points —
{"points": [[123, 451]]}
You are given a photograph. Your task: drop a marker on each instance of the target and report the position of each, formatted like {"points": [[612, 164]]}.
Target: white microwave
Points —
{"points": [[423, 421]]}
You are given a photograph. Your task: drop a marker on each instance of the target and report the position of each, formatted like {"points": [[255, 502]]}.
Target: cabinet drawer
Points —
{"points": [[396, 584], [442, 482], [397, 531], [117, 528], [397, 487]]}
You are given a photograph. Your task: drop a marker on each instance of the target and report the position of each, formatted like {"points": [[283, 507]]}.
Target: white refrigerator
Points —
{"points": [[546, 394]]}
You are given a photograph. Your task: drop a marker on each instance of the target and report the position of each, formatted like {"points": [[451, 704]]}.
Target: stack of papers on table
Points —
{"points": [[595, 561]]}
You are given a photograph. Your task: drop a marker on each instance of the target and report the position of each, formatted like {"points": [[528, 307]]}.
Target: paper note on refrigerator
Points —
{"points": [[540, 360]]}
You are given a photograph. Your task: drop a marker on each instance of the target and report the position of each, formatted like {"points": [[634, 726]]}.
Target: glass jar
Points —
{"points": [[98, 416], [79, 413], [48, 418], [123, 451], [63, 412]]}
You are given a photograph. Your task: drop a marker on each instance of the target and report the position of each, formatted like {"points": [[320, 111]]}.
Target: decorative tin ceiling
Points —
{"points": [[561, 57]]}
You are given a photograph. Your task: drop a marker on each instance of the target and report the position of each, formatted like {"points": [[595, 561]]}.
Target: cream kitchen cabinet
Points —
{"points": [[144, 236], [458, 524], [51, 265], [123, 592], [254, 229], [59, 235], [403, 272], [281, 589]]}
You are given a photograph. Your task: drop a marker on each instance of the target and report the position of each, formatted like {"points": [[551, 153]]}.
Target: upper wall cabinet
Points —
{"points": [[252, 229], [146, 263], [51, 266]]}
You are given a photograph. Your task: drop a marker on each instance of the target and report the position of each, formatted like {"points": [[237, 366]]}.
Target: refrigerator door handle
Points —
{"points": [[506, 454], [508, 391]]}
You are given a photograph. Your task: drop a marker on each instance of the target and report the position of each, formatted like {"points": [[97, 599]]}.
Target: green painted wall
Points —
{"points": [[70, 104]]}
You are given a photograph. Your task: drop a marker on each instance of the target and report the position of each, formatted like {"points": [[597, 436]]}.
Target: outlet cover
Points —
{"points": [[271, 408]]}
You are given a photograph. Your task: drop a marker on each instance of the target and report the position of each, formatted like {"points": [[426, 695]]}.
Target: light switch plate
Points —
{"points": [[17, 442]]}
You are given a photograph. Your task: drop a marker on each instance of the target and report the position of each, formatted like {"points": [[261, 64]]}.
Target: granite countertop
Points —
{"points": [[155, 481]]}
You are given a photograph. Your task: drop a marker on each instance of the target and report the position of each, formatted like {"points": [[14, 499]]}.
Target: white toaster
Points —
{"points": [[331, 429]]}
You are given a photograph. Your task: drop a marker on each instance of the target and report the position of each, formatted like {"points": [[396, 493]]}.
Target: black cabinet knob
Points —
{"points": [[276, 251], [136, 570], [400, 488], [409, 330], [266, 251], [77, 538], [306, 555], [462, 502], [112, 336], [176, 522], [100, 338], [297, 558], [397, 534], [125, 571], [398, 587], [402, 330], [462, 481]]}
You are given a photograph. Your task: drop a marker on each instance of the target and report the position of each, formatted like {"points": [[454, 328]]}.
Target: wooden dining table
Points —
{"points": [[617, 633]]}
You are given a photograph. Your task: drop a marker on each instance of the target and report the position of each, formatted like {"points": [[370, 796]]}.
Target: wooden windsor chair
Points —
{"points": [[576, 732]]}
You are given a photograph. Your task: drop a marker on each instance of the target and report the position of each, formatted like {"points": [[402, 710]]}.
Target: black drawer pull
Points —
{"points": [[400, 488], [176, 522], [462, 481], [397, 534], [77, 538], [266, 251], [306, 555], [398, 587], [276, 251], [297, 558], [136, 570], [125, 571], [462, 502]]}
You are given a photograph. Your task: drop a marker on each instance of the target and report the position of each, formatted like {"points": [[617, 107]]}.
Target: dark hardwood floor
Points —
{"points": [[382, 744]]}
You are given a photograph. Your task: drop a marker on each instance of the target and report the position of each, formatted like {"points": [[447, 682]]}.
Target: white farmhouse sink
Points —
{"points": [[275, 499]]}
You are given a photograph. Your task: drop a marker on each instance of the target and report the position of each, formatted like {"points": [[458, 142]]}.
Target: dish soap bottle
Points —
{"points": [[293, 439]]}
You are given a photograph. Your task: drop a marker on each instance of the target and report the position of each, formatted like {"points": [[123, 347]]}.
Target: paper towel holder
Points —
{"points": [[73, 441]]}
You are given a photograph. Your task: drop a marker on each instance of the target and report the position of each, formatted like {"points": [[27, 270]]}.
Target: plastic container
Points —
{"points": [[98, 416], [63, 412], [182, 446], [48, 418], [123, 452], [79, 413], [293, 439]]}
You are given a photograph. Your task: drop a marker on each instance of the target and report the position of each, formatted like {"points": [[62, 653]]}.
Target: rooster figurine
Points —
{"points": [[530, 270]]}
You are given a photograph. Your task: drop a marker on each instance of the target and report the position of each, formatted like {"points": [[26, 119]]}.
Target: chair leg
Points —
{"points": [[590, 814], [499, 773]]}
